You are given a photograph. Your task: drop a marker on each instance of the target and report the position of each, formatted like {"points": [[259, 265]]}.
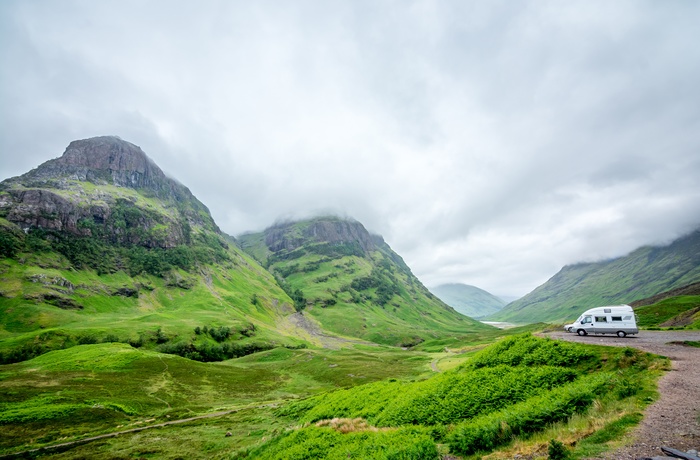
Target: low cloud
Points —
{"points": [[489, 143]]}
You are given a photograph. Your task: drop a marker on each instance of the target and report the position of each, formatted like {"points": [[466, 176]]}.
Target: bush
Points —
{"points": [[489, 431], [527, 350], [557, 450], [88, 339], [325, 443], [443, 399], [110, 338]]}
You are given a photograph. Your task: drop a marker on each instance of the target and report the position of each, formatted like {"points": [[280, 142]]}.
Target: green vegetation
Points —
{"points": [[140, 312], [49, 303], [91, 389], [557, 450], [97, 252], [353, 284], [327, 443], [383, 405], [514, 389], [645, 272], [679, 311]]}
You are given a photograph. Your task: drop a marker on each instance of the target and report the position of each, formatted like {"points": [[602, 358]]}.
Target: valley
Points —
{"points": [[133, 327]]}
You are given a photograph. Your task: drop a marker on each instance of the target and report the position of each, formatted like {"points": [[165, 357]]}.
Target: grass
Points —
{"points": [[102, 388], [613, 386], [680, 311], [220, 295], [93, 389], [367, 293]]}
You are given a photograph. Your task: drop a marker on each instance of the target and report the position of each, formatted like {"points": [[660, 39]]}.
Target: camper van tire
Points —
{"points": [[621, 334], [581, 332]]}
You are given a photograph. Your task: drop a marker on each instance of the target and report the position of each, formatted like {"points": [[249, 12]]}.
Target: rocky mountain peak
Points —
{"points": [[102, 159], [289, 236], [57, 196]]}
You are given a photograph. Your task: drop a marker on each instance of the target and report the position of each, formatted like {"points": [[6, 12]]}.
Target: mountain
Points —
{"points": [[100, 245], [645, 272], [469, 300], [352, 282]]}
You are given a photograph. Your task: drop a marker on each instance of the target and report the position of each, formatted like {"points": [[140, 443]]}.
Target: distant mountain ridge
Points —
{"points": [[469, 300], [352, 282], [643, 273]]}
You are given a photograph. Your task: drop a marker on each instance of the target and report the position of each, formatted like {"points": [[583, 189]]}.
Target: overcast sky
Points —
{"points": [[489, 142]]}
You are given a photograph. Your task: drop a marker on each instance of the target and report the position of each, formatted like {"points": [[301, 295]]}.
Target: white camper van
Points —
{"points": [[618, 319]]}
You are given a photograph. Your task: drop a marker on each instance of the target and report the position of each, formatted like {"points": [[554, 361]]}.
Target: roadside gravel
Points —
{"points": [[672, 420]]}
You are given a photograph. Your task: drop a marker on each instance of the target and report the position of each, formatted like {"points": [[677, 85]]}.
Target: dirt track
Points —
{"points": [[673, 420]]}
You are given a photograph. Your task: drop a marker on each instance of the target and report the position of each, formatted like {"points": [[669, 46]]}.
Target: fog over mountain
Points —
{"points": [[490, 143]]}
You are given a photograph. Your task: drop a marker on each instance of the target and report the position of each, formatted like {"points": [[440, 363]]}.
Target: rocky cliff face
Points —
{"points": [[287, 236], [108, 185], [102, 160]]}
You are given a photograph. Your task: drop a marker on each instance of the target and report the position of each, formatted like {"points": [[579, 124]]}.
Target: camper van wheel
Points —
{"points": [[581, 332], [621, 333]]}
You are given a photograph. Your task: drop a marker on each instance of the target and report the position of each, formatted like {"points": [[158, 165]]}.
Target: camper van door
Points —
{"points": [[586, 325]]}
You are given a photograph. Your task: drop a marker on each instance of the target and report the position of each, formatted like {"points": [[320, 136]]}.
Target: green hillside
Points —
{"points": [[126, 313], [643, 273], [521, 388], [468, 300], [352, 283], [100, 246], [103, 388], [372, 402]]}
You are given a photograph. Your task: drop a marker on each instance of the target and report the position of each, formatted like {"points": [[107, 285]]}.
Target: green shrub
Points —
{"points": [[624, 388], [325, 443], [443, 399], [489, 431], [528, 350], [111, 338], [557, 450], [87, 339]]}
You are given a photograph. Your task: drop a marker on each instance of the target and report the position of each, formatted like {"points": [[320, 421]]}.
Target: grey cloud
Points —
{"points": [[489, 142]]}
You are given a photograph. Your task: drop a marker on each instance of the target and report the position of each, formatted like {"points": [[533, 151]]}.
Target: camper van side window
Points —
{"points": [[586, 320], [627, 318], [617, 318], [607, 310], [601, 319]]}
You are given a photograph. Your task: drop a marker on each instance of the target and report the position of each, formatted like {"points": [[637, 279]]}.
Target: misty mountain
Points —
{"points": [[645, 272], [352, 282], [469, 300]]}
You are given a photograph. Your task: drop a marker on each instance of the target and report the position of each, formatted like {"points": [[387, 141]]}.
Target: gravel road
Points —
{"points": [[672, 420]]}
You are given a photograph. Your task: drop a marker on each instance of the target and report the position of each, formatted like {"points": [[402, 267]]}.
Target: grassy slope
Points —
{"points": [[91, 389], [410, 316], [557, 389], [680, 311], [643, 273], [220, 295]]}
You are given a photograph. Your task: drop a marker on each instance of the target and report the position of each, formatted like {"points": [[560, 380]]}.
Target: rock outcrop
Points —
{"points": [[323, 230], [106, 159], [79, 193]]}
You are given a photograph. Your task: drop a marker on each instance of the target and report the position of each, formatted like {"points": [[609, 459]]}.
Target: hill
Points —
{"points": [[100, 245], [468, 300], [353, 283], [643, 273], [677, 308]]}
